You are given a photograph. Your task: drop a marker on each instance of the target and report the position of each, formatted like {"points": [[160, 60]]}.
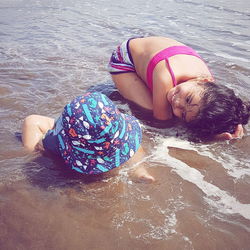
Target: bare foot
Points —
{"points": [[140, 174]]}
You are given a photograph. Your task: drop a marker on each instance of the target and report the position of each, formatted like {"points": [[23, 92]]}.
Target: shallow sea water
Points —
{"points": [[51, 51]]}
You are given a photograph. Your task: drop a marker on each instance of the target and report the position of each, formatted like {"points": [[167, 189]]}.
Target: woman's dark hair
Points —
{"points": [[221, 111]]}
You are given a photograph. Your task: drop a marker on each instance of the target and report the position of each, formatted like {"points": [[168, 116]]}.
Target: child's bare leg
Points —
{"points": [[134, 89], [139, 171], [33, 129]]}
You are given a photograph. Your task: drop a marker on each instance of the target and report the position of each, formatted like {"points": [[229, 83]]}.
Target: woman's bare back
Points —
{"points": [[185, 67]]}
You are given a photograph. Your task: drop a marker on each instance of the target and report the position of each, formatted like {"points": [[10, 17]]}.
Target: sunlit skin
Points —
{"points": [[36, 126], [185, 100], [187, 69]]}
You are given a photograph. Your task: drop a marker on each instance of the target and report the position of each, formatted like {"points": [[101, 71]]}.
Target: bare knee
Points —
{"points": [[43, 123], [30, 125], [30, 120], [31, 131]]}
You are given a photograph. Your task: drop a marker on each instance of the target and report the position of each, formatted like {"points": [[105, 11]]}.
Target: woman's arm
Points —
{"points": [[162, 83]]}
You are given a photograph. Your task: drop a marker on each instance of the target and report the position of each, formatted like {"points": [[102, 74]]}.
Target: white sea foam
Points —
{"points": [[232, 165], [214, 196], [159, 232], [227, 161]]}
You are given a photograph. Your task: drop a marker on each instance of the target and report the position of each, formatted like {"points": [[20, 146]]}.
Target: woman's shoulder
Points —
{"points": [[158, 42]]}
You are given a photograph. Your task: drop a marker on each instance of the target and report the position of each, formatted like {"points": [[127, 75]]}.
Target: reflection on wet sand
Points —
{"points": [[52, 51], [70, 211]]}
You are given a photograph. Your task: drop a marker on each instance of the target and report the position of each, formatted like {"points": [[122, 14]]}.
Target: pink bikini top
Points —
{"points": [[164, 55]]}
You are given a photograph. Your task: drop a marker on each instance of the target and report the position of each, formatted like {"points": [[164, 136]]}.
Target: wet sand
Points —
{"points": [[52, 51]]}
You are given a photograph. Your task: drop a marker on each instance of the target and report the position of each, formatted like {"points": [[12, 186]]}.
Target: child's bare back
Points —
{"points": [[185, 66]]}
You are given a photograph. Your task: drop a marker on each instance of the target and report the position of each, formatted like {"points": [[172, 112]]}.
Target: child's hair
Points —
{"points": [[221, 111]]}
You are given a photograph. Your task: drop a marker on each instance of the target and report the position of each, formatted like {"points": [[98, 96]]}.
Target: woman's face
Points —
{"points": [[185, 100]]}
